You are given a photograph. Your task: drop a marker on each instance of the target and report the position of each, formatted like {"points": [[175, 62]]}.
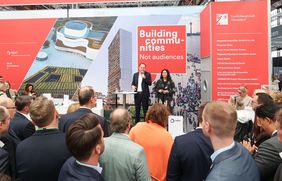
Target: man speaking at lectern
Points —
{"points": [[140, 84]]}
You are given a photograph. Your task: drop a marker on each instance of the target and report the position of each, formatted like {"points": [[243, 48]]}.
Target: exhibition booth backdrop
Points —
{"points": [[235, 48], [60, 50]]}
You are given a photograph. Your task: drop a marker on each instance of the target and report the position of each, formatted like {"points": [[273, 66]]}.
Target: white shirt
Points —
{"points": [[25, 115], [245, 115], [140, 79]]}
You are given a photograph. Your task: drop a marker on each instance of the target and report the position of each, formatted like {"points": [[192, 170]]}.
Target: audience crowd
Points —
{"points": [[238, 140]]}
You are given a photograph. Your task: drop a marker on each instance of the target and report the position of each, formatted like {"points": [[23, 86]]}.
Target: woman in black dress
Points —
{"points": [[164, 89]]}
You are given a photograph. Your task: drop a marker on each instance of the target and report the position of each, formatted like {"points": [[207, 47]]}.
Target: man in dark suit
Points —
{"points": [[21, 124], [86, 143], [267, 155], [87, 100], [4, 126], [230, 160], [10, 139], [190, 155], [140, 84], [41, 156]]}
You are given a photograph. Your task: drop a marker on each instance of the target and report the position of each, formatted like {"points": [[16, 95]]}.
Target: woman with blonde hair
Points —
{"points": [[73, 107]]}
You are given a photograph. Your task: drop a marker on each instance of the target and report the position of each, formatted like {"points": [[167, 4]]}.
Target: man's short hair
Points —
{"points": [[119, 120], [266, 111], [83, 136], [22, 101], [158, 113], [42, 111], [278, 117], [222, 118], [85, 94], [3, 114], [200, 113], [142, 64]]}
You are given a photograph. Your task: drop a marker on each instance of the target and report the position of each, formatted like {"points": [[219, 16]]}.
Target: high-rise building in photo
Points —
{"points": [[120, 62]]}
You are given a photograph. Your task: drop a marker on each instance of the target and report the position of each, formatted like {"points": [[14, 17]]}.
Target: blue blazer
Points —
{"points": [[72, 171], [22, 126], [67, 119], [41, 156], [190, 157], [235, 164]]}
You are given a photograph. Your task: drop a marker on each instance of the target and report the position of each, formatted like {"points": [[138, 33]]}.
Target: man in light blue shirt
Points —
{"points": [[230, 160]]}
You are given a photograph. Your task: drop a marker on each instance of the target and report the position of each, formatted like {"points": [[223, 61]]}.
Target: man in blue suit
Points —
{"points": [[86, 143], [190, 155], [21, 124], [41, 156], [87, 100], [230, 161]]}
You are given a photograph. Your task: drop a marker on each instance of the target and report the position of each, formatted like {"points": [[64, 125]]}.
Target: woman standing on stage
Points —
{"points": [[164, 89]]}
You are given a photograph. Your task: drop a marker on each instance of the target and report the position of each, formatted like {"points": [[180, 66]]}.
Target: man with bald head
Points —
{"points": [[4, 126], [87, 100], [230, 160], [9, 138], [122, 158], [9, 104]]}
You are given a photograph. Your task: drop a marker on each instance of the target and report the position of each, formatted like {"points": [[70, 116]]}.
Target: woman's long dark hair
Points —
{"points": [[168, 75], [26, 89]]}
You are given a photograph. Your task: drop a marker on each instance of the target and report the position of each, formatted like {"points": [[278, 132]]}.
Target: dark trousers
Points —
{"points": [[139, 99]]}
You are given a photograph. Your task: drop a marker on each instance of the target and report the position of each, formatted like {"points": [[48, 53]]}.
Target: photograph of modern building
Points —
{"points": [[79, 36], [120, 62]]}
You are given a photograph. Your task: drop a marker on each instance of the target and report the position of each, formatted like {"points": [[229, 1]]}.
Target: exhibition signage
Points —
{"points": [[20, 42], [239, 47], [164, 45], [205, 31], [40, 2]]}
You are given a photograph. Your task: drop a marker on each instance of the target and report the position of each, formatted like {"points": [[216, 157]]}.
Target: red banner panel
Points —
{"points": [[239, 47], [162, 45], [205, 32], [20, 41], [40, 2]]}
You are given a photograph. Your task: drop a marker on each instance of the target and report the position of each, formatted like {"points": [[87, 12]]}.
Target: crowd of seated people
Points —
{"points": [[36, 143]]}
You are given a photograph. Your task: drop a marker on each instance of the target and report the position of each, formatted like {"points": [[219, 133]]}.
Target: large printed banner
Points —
{"points": [[39, 2], [20, 42], [205, 32], [60, 55], [164, 45], [239, 47]]}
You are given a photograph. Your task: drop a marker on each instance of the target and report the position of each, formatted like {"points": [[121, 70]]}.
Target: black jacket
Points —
{"points": [[145, 83]]}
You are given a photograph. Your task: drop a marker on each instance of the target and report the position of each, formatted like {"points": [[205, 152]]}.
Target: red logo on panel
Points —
{"points": [[162, 47]]}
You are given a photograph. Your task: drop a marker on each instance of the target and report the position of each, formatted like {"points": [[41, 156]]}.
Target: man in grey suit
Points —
{"points": [[230, 160], [123, 159], [267, 155]]}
